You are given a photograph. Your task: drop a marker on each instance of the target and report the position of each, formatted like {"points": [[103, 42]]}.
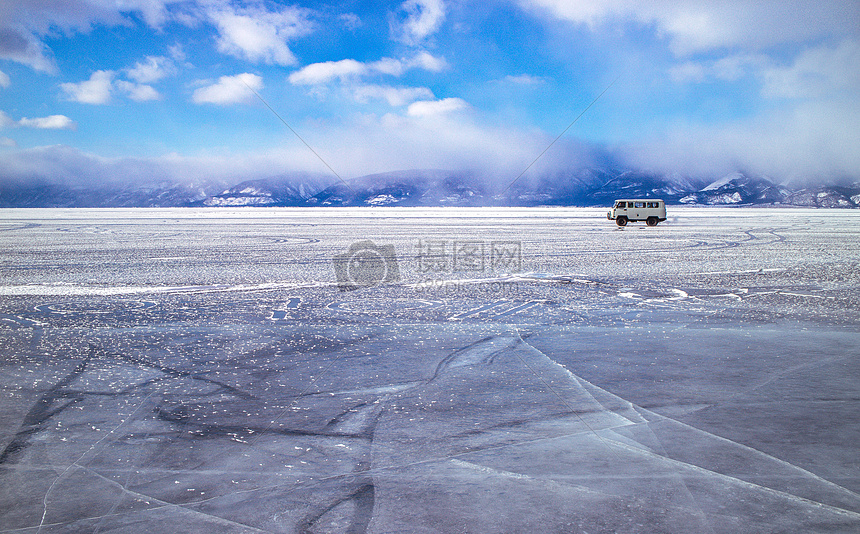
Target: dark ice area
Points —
{"points": [[491, 370]]}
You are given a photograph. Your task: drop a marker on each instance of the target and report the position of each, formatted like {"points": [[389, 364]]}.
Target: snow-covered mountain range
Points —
{"points": [[583, 187]]}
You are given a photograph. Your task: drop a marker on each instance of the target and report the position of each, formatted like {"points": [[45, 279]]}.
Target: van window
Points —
{"points": [[638, 204], [620, 204], [651, 205]]}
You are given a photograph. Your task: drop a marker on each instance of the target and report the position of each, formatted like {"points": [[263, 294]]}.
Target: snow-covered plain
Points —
{"points": [[514, 370]]}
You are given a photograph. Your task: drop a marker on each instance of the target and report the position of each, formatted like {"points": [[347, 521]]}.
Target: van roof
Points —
{"points": [[639, 200]]}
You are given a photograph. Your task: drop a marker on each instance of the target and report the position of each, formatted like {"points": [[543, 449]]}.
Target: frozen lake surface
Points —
{"points": [[416, 370]]}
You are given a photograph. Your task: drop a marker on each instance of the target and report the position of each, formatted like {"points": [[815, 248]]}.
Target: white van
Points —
{"points": [[650, 210]]}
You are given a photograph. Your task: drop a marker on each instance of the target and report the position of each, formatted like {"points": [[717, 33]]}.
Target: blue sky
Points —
{"points": [[165, 88]]}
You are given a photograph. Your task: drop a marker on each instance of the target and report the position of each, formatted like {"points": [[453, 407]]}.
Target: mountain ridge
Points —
{"points": [[588, 186]]}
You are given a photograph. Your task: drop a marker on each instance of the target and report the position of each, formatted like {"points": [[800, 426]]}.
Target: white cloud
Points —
{"points": [[257, 34], [702, 25], [368, 144], [4, 79], [387, 65], [24, 47], [348, 69], [317, 73], [733, 68], [6, 121], [151, 69], [817, 72], [351, 21], [524, 79], [359, 145], [395, 96], [815, 140], [103, 83], [96, 90], [177, 53], [138, 92], [229, 90], [52, 122], [808, 125], [350, 74], [423, 19], [427, 61], [8, 142], [690, 71], [25, 23], [729, 68], [428, 108]]}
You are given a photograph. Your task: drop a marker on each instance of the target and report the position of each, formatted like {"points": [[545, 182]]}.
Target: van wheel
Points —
{"points": [[621, 221], [652, 221]]}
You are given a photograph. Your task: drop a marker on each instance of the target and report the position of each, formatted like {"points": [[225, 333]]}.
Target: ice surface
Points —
{"points": [[530, 370]]}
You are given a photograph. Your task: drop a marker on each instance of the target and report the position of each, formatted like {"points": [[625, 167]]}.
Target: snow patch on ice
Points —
{"points": [[489, 470], [82, 290]]}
